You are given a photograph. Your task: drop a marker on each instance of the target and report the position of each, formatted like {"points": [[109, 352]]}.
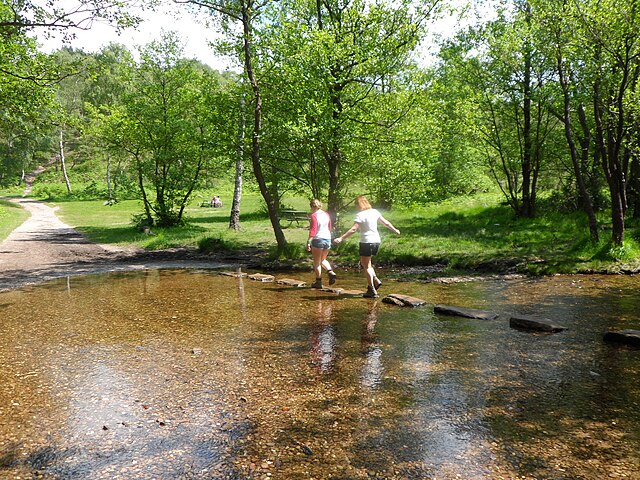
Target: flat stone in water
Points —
{"points": [[464, 312], [351, 293], [261, 277], [234, 274], [537, 324], [337, 291], [403, 300], [291, 282], [629, 337]]}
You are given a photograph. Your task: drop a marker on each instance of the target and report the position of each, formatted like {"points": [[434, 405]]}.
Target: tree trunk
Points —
{"points": [[586, 202], [334, 158], [609, 148], [257, 127], [634, 185], [234, 218], [143, 192], [526, 208], [109, 191], [62, 163]]}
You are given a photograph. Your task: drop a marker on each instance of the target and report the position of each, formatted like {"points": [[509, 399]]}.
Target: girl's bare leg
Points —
{"points": [[319, 257], [369, 271]]}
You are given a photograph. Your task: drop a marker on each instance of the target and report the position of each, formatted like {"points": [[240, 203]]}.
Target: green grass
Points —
{"points": [[113, 224], [11, 216], [472, 233]]}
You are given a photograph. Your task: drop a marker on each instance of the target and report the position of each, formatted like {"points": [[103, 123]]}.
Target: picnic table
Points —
{"points": [[296, 216]]}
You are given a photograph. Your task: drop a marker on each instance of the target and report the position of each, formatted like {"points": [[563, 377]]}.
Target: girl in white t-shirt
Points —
{"points": [[367, 222]]}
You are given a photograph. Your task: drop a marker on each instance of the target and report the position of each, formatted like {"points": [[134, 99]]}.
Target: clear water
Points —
{"points": [[189, 374]]}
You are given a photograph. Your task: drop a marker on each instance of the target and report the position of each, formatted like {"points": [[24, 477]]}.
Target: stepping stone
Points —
{"points": [[351, 293], [629, 337], [234, 274], [538, 324], [403, 300], [337, 291], [464, 312], [291, 282], [261, 277]]}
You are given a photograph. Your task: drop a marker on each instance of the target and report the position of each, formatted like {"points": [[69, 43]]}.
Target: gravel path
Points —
{"points": [[44, 247]]}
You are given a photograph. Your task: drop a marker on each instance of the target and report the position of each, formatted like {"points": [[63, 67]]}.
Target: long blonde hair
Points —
{"points": [[315, 203], [363, 203]]}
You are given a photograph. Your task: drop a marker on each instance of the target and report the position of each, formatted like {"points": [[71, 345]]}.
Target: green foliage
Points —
{"points": [[26, 106], [50, 191], [213, 244], [170, 126]]}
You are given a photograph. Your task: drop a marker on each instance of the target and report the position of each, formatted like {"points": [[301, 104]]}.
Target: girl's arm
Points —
{"points": [[347, 234], [387, 224], [313, 229]]}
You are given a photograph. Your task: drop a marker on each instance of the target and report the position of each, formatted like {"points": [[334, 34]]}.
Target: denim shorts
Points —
{"points": [[322, 243], [369, 249]]}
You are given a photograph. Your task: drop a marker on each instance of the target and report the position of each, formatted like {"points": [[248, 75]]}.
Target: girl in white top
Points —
{"points": [[367, 222]]}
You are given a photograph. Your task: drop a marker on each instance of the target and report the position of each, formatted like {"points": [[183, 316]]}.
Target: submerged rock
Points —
{"points": [[537, 324], [629, 337], [403, 300], [464, 312]]}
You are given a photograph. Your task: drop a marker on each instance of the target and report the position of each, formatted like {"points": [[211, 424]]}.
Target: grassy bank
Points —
{"points": [[466, 234], [11, 216]]}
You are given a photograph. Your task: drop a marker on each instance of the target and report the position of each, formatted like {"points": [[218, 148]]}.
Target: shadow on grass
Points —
{"points": [[131, 234], [496, 228]]}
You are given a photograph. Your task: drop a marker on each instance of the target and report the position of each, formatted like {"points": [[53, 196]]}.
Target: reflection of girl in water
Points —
{"points": [[319, 242], [372, 369], [323, 339]]}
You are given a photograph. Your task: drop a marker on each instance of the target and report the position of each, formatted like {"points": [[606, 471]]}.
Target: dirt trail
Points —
{"points": [[44, 247]]}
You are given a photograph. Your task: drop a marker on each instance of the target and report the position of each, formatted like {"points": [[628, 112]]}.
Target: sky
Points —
{"points": [[195, 34]]}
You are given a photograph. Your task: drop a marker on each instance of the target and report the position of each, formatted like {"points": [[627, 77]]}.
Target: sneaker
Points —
{"points": [[377, 283], [332, 277], [317, 283], [370, 293]]}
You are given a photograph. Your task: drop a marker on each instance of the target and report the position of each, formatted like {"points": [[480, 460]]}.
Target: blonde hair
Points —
{"points": [[363, 203], [315, 203]]}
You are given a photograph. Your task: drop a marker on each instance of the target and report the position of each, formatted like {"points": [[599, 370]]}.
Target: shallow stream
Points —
{"points": [[168, 374]]}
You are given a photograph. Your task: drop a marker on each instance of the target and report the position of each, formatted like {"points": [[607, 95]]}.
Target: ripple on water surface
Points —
{"points": [[189, 374]]}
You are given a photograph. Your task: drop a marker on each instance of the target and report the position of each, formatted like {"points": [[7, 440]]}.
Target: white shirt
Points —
{"points": [[368, 221]]}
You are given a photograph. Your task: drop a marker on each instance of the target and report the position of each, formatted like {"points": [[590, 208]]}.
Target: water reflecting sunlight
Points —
{"points": [[170, 374]]}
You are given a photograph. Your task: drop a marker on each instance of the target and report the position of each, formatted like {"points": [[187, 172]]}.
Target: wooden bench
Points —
{"points": [[295, 216]]}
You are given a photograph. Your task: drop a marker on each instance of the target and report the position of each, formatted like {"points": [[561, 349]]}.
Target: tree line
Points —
{"points": [[329, 99]]}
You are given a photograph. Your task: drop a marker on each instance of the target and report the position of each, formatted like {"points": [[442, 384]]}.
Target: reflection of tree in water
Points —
{"points": [[323, 338], [371, 372]]}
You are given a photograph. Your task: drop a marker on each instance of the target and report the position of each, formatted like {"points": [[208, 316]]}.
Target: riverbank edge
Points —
{"points": [[258, 258]]}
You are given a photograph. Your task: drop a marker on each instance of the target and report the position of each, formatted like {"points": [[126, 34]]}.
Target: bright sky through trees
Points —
{"points": [[197, 36], [168, 17]]}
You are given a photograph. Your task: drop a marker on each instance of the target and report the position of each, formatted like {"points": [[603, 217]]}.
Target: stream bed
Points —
{"points": [[189, 374]]}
